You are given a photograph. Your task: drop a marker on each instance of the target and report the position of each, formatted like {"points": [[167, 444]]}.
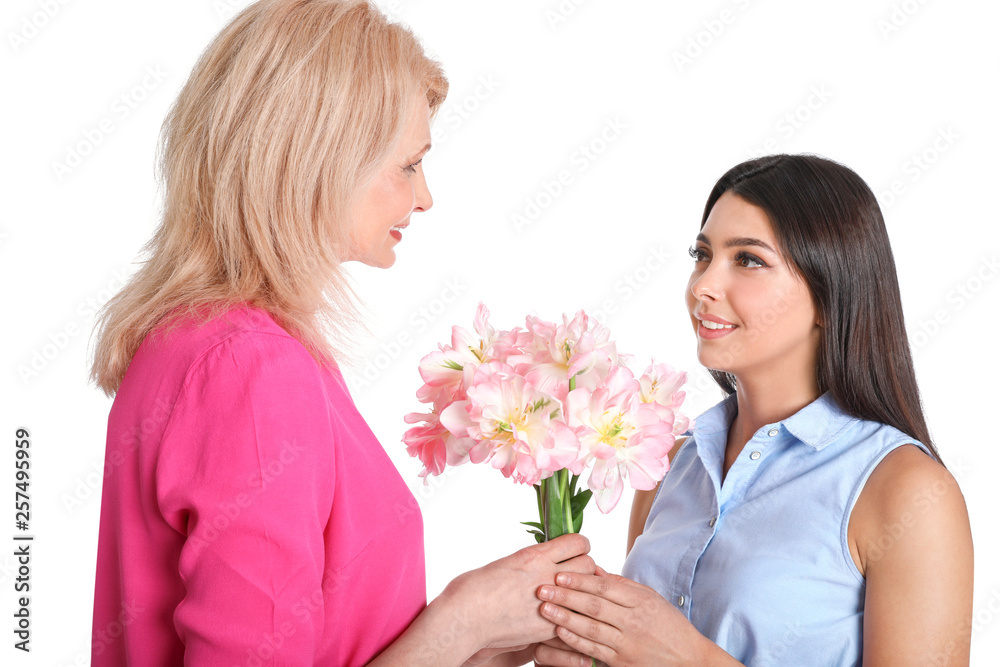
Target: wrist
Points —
{"points": [[709, 653], [454, 624]]}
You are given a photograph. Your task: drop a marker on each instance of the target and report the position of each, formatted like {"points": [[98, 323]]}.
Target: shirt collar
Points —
{"points": [[816, 425]]}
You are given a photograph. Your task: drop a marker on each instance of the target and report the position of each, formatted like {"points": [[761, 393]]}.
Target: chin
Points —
{"points": [[380, 261], [715, 361]]}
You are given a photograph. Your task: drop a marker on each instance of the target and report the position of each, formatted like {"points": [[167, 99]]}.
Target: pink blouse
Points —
{"points": [[249, 515]]}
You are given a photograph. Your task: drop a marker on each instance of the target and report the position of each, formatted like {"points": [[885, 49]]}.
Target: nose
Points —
{"points": [[422, 199], [710, 285]]}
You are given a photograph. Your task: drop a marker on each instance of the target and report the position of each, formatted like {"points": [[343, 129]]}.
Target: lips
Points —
{"points": [[397, 231], [711, 326]]}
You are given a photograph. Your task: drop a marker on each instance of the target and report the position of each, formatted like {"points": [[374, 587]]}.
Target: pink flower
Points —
{"points": [[660, 386], [433, 444], [504, 397], [623, 437], [576, 348], [516, 427], [449, 370]]}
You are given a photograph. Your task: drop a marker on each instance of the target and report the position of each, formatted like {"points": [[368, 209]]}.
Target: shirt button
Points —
{"points": [[754, 455], [680, 601], [711, 522], [773, 432]]}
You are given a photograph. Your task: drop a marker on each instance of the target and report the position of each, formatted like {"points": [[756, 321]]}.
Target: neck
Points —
{"points": [[767, 400]]}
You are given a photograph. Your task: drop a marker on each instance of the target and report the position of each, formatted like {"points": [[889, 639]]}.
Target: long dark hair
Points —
{"points": [[831, 230]]}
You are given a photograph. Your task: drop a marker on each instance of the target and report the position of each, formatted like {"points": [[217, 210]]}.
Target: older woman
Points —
{"points": [[249, 515]]}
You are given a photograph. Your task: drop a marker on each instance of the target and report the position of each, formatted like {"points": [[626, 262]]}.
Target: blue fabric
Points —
{"points": [[760, 562]]}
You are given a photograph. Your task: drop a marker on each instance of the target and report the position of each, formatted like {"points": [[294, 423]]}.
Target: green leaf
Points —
{"points": [[539, 537], [533, 524], [579, 502]]}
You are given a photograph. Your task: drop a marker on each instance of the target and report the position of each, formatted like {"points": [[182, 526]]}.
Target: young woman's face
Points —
{"points": [[398, 190], [751, 313]]}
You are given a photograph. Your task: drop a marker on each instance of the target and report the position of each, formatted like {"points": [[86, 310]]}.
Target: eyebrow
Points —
{"points": [[423, 150], [739, 241]]}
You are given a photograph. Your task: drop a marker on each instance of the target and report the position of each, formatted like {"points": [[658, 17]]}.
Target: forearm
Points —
{"points": [[440, 635]]}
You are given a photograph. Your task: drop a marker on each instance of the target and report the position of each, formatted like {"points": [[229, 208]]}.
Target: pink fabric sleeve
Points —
{"points": [[246, 474]]}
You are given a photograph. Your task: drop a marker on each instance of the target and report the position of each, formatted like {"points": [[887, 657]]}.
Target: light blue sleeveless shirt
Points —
{"points": [[760, 562]]}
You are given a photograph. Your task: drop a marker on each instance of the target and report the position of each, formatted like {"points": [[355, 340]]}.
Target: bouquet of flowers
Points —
{"points": [[544, 404]]}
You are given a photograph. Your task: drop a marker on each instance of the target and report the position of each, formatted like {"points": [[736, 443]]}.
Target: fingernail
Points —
{"points": [[546, 593], [549, 609], [562, 579]]}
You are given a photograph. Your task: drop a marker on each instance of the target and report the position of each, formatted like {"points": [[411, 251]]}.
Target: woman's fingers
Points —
{"points": [[596, 607], [562, 656], [601, 572], [621, 591], [580, 565], [586, 635], [565, 547]]}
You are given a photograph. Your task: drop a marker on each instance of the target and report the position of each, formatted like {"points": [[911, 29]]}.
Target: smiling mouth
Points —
{"points": [[710, 329], [710, 325]]}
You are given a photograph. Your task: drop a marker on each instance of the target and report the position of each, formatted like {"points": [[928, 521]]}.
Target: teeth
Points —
{"points": [[715, 325]]}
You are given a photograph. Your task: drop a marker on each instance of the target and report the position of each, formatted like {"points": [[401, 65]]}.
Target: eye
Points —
{"points": [[697, 254], [748, 261], [412, 168]]}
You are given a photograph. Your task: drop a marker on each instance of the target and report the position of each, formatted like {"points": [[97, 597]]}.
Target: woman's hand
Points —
{"points": [[619, 622], [498, 602], [494, 607]]}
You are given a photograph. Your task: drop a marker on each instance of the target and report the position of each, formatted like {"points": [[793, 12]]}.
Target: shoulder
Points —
{"points": [[908, 479], [239, 357], [239, 336], [910, 499], [247, 392]]}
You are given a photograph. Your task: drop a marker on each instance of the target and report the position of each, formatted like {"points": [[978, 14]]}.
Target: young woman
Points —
{"points": [[808, 519], [249, 516]]}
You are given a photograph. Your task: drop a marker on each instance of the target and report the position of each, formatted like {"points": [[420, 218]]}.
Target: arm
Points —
{"points": [[244, 476], [910, 536]]}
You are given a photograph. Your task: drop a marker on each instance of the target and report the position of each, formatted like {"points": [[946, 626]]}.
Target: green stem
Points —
{"points": [[543, 508], [538, 496], [567, 505]]}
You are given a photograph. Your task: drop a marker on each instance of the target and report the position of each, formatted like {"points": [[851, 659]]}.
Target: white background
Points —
{"points": [[873, 84]]}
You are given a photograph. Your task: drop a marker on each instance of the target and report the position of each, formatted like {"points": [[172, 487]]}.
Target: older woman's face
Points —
{"points": [[384, 209]]}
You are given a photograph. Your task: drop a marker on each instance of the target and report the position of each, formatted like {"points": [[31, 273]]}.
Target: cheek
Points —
{"points": [[782, 313], [397, 199]]}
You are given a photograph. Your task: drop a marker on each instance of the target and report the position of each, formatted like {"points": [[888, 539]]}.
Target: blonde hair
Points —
{"points": [[288, 114]]}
